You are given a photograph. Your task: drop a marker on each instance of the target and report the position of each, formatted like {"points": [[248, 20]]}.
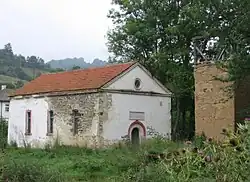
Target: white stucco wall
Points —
{"points": [[16, 130], [157, 109], [127, 81], [5, 114], [157, 115], [115, 126], [39, 108]]}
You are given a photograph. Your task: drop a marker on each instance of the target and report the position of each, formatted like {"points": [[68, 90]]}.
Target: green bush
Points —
{"points": [[20, 171], [226, 161], [3, 133]]}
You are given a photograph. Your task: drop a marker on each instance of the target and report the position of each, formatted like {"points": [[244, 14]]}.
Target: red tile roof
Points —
{"points": [[92, 78]]}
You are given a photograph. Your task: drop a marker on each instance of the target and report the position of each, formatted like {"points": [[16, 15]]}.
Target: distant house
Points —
{"points": [[92, 107], [4, 102]]}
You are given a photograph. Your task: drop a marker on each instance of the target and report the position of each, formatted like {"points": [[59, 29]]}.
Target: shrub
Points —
{"points": [[222, 161], [19, 171], [4, 133]]}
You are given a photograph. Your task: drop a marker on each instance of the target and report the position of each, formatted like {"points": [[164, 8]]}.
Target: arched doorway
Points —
{"points": [[135, 136], [136, 132]]}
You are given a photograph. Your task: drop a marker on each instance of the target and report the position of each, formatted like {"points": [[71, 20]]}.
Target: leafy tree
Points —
{"points": [[8, 49], [160, 35], [57, 70], [155, 34], [19, 84], [76, 67], [237, 41], [21, 60], [12, 65]]}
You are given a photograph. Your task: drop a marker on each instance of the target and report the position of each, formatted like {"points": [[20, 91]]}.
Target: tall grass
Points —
{"points": [[157, 160]]}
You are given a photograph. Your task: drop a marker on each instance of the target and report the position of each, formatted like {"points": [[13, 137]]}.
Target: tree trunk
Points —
{"points": [[175, 132], [184, 122]]}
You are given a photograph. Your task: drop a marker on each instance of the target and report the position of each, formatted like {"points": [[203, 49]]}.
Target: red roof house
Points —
{"points": [[91, 107]]}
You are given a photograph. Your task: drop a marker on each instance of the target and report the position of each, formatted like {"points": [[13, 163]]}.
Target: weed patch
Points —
{"points": [[156, 160]]}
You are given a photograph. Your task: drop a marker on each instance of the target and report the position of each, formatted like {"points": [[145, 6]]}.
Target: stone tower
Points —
{"points": [[215, 108]]}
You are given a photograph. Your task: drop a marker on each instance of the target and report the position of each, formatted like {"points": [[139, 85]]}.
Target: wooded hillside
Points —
{"points": [[15, 69]]}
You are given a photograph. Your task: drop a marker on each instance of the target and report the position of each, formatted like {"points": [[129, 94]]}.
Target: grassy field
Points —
{"points": [[4, 79], [8, 79], [81, 164], [156, 160], [31, 72]]}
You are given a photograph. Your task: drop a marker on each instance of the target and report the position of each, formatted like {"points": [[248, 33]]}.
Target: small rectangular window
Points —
{"points": [[75, 121], [28, 123], [7, 107], [50, 122]]}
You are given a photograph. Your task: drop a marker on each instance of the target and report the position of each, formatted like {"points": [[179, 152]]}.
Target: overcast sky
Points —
{"points": [[56, 29]]}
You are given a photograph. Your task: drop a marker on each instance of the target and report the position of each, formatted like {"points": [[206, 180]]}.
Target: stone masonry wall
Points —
{"points": [[105, 103], [91, 115], [214, 107]]}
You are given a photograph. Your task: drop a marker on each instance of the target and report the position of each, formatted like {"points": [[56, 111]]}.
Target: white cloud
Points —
{"points": [[55, 29]]}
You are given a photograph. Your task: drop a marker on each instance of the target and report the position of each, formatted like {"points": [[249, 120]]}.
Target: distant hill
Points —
{"points": [[69, 63], [15, 70]]}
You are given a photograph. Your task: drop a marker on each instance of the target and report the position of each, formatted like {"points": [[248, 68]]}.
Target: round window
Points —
{"points": [[137, 84]]}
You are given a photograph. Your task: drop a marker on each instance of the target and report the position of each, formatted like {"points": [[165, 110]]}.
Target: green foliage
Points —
{"points": [[156, 160], [159, 35], [4, 133], [11, 82], [28, 172], [237, 40], [16, 68], [57, 70], [199, 140], [76, 67]]}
